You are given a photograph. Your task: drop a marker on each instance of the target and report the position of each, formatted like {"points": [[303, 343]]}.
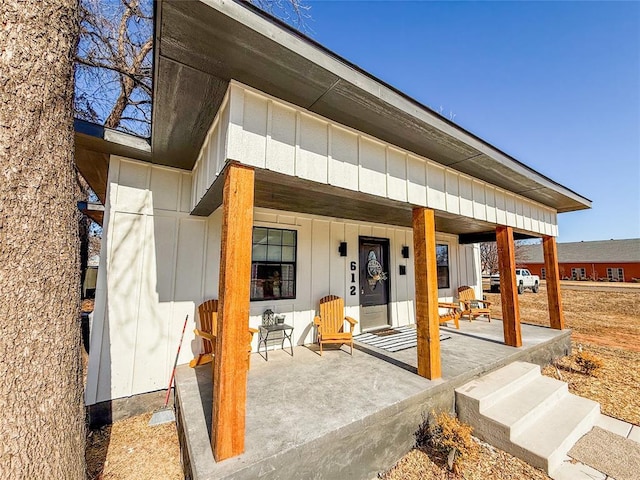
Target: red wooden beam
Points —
{"points": [[426, 277], [556, 315], [508, 291], [230, 361]]}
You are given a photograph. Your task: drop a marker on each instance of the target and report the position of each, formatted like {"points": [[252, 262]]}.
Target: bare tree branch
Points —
{"points": [[293, 12], [489, 256], [113, 68], [114, 64]]}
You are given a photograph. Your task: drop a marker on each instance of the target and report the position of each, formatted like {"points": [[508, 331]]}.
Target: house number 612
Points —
{"points": [[353, 266]]}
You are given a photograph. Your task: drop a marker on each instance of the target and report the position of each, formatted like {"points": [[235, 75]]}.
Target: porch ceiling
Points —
{"points": [[202, 45], [293, 194]]}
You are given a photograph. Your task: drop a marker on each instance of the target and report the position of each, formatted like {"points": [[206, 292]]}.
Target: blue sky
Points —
{"points": [[554, 84]]}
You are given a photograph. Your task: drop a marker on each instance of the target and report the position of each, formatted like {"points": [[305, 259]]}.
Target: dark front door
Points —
{"points": [[374, 283]]}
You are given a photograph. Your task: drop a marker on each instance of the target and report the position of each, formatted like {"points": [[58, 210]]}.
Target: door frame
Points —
{"points": [[386, 249]]}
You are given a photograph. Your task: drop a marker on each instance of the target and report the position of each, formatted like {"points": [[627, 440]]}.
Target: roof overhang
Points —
{"points": [[202, 44], [93, 146]]}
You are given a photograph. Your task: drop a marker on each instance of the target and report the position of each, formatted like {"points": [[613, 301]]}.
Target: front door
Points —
{"points": [[374, 283]]}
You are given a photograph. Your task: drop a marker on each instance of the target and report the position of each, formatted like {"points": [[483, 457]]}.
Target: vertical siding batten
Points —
{"points": [[435, 186], [396, 174], [479, 200], [452, 192], [466, 195], [174, 267], [416, 181], [140, 283], [491, 204]]}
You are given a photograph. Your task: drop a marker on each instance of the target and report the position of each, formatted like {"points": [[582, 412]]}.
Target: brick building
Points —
{"points": [[614, 260]]}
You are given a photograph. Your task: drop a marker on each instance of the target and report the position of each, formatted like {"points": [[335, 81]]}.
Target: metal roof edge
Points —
{"points": [[138, 146]]}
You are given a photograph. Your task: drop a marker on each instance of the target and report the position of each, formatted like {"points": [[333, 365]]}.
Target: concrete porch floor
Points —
{"points": [[338, 416]]}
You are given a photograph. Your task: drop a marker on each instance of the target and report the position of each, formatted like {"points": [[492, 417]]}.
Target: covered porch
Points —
{"points": [[338, 416], [239, 188]]}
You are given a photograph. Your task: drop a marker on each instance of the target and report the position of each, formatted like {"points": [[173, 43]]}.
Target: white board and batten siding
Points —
{"points": [[158, 263], [213, 154], [155, 266], [268, 133], [322, 271]]}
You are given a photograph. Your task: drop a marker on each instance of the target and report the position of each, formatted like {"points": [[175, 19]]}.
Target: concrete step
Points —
{"points": [[525, 405], [530, 416], [485, 391], [550, 438]]}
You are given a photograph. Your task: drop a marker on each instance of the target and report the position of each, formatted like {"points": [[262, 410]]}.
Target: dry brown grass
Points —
{"points": [[615, 385], [132, 450], [596, 317], [588, 362], [446, 435], [491, 463]]}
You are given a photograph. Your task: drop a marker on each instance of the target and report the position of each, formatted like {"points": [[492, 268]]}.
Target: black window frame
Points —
{"points": [[256, 264]]}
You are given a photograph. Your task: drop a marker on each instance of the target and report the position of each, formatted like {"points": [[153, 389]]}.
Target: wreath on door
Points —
{"points": [[374, 269]]}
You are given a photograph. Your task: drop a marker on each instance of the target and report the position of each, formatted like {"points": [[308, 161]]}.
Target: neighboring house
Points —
{"points": [[611, 260], [320, 169]]}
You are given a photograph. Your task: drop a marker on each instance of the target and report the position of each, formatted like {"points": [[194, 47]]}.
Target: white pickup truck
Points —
{"points": [[524, 279]]}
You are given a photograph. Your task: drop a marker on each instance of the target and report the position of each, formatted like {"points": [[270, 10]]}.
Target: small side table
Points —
{"points": [[267, 330]]}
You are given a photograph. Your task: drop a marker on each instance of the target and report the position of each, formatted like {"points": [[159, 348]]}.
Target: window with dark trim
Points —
{"points": [[273, 263], [442, 259], [578, 273], [615, 274]]}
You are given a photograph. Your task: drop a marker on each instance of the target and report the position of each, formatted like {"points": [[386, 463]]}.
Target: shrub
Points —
{"points": [[588, 362], [449, 437]]}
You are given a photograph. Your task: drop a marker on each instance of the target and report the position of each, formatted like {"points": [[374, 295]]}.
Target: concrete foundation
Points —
{"points": [[106, 413], [338, 416]]}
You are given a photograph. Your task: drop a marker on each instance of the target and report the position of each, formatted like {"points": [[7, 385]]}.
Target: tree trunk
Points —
{"points": [[41, 410]]}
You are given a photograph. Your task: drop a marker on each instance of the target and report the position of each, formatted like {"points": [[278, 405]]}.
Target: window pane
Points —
{"points": [[268, 281], [256, 290], [443, 277], [275, 237], [288, 272], [442, 255], [289, 237], [288, 289], [288, 254], [260, 235], [274, 253], [259, 253]]}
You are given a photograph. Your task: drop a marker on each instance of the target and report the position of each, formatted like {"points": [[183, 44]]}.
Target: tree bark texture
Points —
{"points": [[41, 410]]}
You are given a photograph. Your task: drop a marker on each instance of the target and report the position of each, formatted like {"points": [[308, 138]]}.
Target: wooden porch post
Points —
{"points": [[230, 361], [508, 291], [556, 315], [427, 324]]}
